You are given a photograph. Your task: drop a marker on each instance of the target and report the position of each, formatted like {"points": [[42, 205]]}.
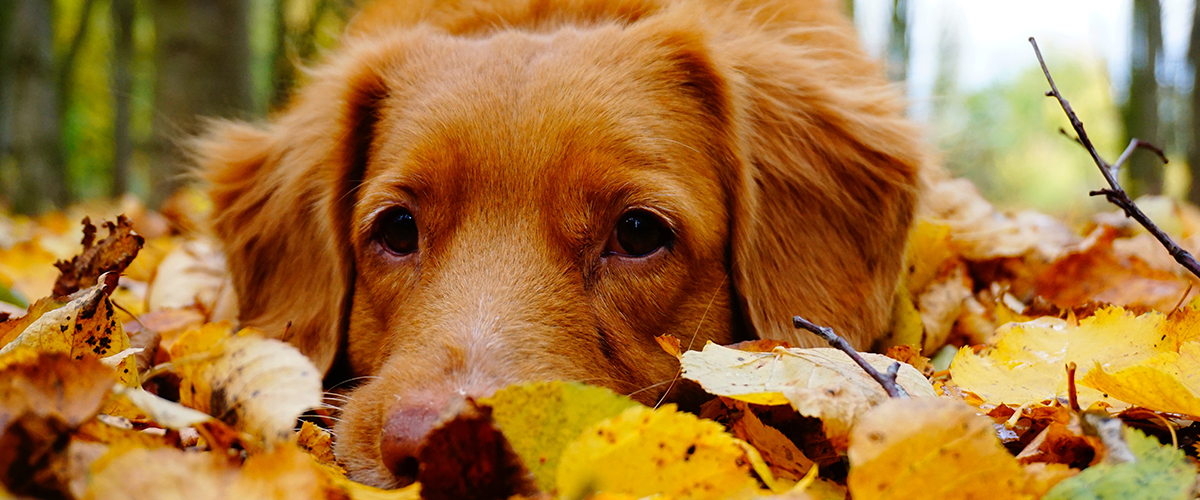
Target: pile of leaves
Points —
{"points": [[1064, 365]]}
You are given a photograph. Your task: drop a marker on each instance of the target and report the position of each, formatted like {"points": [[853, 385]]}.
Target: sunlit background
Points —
{"points": [[95, 95]]}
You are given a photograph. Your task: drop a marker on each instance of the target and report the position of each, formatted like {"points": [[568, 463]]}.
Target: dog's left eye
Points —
{"points": [[397, 231], [639, 233]]}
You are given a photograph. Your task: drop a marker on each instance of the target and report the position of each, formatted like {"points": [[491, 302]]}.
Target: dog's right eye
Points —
{"points": [[397, 231]]}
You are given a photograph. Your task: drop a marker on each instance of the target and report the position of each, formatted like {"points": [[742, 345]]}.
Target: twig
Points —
{"points": [[888, 381], [1072, 393], [1114, 193]]}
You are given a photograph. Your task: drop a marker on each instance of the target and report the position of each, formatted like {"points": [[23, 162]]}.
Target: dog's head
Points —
{"points": [[455, 212]]}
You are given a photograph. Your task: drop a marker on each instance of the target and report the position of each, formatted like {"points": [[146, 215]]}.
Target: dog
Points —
{"points": [[473, 193]]}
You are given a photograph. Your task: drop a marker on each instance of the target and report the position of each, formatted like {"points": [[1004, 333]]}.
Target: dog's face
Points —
{"points": [[455, 214]]}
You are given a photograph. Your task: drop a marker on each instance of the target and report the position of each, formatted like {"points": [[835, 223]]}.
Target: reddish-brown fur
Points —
{"points": [[517, 132]]}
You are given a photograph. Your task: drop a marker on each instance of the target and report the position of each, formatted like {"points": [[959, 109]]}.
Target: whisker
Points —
{"points": [[692, 340]]}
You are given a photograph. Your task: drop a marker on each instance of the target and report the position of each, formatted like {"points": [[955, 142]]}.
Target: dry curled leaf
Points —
{"points": [[112, 254], [254, 384]]}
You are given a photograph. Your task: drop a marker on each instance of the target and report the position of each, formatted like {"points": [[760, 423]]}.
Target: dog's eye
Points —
{"points": [[639, 233], [398, 231]]}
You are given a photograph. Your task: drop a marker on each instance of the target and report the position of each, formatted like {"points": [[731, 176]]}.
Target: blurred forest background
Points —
{"points": [[95, 95]]}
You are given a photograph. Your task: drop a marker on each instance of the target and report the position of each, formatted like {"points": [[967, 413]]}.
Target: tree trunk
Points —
{"points": [[122, 91], [283, 71], [1141, 109], [898, 40], [1193, 56], [36, 132], [203, 70], [7, 10]]}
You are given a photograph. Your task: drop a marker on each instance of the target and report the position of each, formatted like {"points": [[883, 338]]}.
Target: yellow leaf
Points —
{"points": [[51, 384], [929, 448], [317, 442], [165, 413], [29, 268], [257, 385], [822, 382], [1169, 382], [906, 326], [644, 452], [539, 420], [928, 249], [200, 341], [13, 327], [85, 326], [1027, 364]]}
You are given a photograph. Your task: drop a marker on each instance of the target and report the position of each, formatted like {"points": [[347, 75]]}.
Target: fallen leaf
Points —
{"points": [[644, 452], [1027, 362], [317, 442], [929, 448], [168, 414], [540, 419], [1094, 272], [1168, 382], [13, 327], [194, 274], [940, 305], [112, 254], [785, 460], [29, 269], [254, 384], [43, 396], [83, 327], [45, 384], [467, 457], [1158, 472], [762, 378]]}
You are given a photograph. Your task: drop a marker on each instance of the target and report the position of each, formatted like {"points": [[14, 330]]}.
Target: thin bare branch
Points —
{"points": [[1114, 193], [888, 381]]}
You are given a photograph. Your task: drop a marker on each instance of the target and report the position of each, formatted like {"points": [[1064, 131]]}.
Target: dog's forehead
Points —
{"points": [[517, 112]]}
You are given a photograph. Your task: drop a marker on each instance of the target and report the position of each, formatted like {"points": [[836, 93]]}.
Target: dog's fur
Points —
{"points": [[517, 132]]}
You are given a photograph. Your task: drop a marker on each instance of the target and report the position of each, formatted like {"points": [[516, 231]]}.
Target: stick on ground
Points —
{"points": [[1114, 193], [888, 381]]}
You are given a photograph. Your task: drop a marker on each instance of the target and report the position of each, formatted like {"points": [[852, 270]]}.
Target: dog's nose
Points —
{"points": [[403, 432]]}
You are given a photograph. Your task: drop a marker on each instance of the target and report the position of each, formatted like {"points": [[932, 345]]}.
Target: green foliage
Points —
{"points": [[1005, 138], [1159, 473]]}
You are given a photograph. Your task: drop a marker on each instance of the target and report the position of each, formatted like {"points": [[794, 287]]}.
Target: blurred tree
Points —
{"points": [[7, 11], [848, 8], [297, 23], [898, 42], [1140, 114], [1193, 153], [35, 120], [123, 12], [202, 70]]}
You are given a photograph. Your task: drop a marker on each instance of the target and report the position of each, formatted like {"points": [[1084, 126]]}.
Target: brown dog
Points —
{"points": [[474, 193]]}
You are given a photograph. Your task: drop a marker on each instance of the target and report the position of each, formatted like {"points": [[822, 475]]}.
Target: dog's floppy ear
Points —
{"points": [[828, 186], [282, 196]]}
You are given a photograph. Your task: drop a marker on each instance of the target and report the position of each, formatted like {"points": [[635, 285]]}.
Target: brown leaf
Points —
{"points": [[52, 384], [112, 254], [466, 457], [1094, 271], [43, 397], [781, 454]]}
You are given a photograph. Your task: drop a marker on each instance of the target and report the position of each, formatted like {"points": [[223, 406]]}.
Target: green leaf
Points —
{"points": [[540, 419], [1159, 473]]}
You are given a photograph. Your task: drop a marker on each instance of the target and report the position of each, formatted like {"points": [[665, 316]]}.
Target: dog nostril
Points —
{"points": [[403, 433], [407, 468]]}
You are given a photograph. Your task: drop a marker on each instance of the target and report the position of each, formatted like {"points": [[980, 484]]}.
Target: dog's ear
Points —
{"points": [[282, 196], [828, 186]]}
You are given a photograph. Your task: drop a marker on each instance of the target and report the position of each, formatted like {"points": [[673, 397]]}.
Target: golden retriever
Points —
{"points": [[473, 193]]}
